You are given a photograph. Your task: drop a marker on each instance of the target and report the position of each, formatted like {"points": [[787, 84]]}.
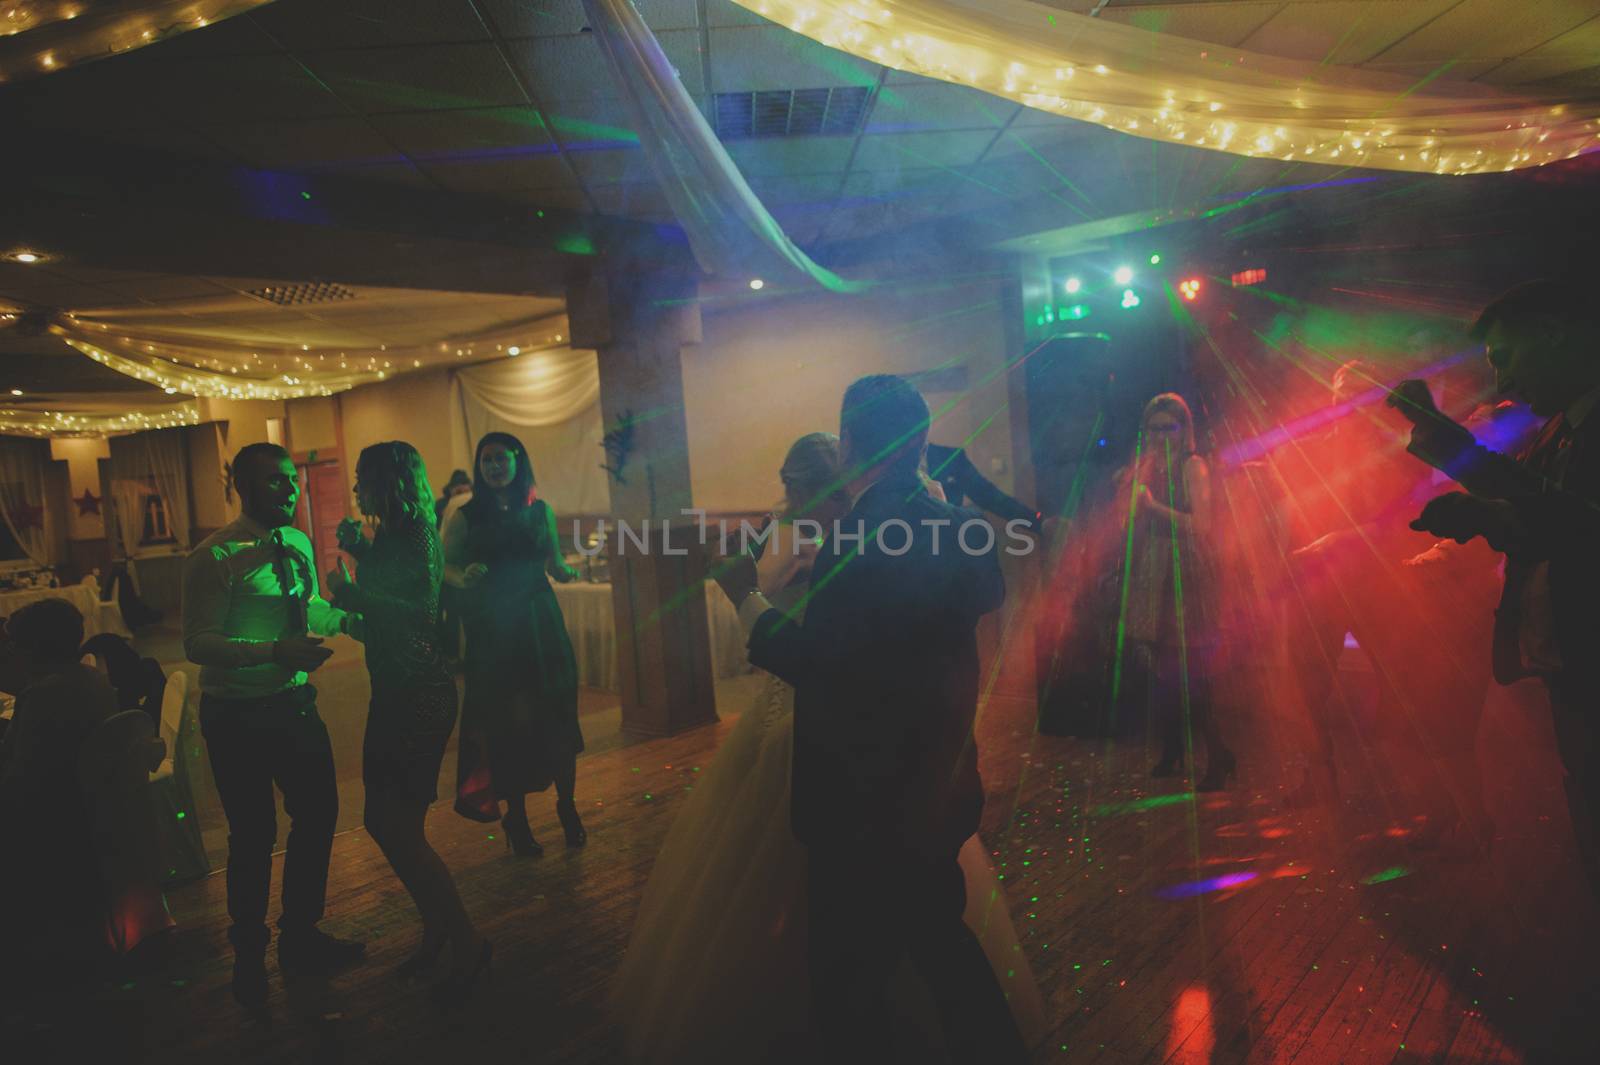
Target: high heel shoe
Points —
{"points": [[424, 959], [454, 990], [1220, 768], [519, 838], [567, 811]]}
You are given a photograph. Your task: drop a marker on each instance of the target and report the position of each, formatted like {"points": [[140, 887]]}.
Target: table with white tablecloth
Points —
{"points": [[592, 626], [86, 597]]}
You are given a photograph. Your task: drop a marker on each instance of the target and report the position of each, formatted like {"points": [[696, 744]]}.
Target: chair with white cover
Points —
{"points": [[114, 769], [183, 852]]}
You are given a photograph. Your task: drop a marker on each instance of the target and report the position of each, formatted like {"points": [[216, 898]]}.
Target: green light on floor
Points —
{"points": [[1130, 298]]}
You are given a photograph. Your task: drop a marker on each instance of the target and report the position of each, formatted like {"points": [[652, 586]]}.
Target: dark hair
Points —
{"points": [[887, 421], [1538, 299], [398, 480], [244, 462], [521, 487], [810, 472], [50, 630], [457, 477]]}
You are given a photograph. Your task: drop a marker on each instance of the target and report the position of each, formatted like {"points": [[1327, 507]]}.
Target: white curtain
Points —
{"points": [[550, 400], [127, 506], [23, 506], [169, 463], [731, 232], [1174, 89]]}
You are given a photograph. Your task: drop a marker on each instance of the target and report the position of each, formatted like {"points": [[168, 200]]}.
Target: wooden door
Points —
{"points": [[323, 504]]}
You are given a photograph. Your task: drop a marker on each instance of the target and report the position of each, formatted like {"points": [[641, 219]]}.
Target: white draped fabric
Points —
{"points": [[22, 497], [1174, 89], [731, 232], [550, 400]]}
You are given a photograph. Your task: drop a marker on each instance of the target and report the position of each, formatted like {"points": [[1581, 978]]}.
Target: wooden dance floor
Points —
{"points": [[1159, 929]]}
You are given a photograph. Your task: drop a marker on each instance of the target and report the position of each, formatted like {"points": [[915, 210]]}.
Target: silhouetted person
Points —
{"points": [[1542, 510], [885, 786]]}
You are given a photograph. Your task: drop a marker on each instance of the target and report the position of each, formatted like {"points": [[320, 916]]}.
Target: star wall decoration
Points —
{"points": [[88, 503]]}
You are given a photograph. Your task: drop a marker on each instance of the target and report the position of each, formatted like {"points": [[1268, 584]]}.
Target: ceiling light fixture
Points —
{"points": [[25, 255], [757, 284]]}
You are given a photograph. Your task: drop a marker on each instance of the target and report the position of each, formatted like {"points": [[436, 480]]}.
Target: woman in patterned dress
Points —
{"points": [[413, 704]]}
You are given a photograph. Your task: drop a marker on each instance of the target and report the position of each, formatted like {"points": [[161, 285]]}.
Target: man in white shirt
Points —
{"points": [[250, 604]]}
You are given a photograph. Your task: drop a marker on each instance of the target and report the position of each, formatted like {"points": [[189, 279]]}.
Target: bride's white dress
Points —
{"points": [[716, 967]]}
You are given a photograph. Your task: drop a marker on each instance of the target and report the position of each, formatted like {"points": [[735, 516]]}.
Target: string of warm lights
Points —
{"points": [[42, 36], [223, 371], [26, 422], [1173, 89]]}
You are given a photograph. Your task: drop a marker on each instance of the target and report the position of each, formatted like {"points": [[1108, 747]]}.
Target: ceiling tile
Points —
{"points": [[568, 197], [301, 26], [641, 200], [594, 123], [443, 134], [548, 18], [1341, 31], [1033, 116], [403, 174], [562, 68], [314, 142], [1225, 24], [797, 189], [509, 179], [611, 165], [419, 78], [162, 288], [1481, 29], [721, 13], [895, 151], [772, 156], [759, 58], [241, 88], [240, 35], [936, 105], [1575, 50]]}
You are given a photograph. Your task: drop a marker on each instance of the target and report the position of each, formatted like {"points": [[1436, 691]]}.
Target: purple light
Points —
{"points": [[1201, 887]]}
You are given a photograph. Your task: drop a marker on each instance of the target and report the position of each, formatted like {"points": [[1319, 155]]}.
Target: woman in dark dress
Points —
{"points": [[519, 727], [413, 696]]}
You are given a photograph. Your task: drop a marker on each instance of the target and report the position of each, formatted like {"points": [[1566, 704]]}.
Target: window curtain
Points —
{"points": [[1170, 88], [23, 506], [169, 463], [550, 400], [731, 233]]}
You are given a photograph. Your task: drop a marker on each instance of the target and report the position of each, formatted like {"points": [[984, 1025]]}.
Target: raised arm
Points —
{"points": [[413, 596], [1197, 487], [985, 493]]}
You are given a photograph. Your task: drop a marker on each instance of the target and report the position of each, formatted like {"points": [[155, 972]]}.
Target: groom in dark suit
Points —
{"points": [[885, 778]]}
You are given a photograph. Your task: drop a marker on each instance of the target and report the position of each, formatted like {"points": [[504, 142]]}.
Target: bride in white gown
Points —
{"points": [[715, 970]]}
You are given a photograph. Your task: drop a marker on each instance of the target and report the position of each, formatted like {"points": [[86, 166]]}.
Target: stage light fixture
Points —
{"points": [[1073, 285], [1190, 288], [757, 284], [1124, 275], [1074, 312], [1130, 298], [1155, 259]]}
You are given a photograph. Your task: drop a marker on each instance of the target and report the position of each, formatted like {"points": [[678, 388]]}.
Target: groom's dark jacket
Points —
{"points": [[885, 672]]}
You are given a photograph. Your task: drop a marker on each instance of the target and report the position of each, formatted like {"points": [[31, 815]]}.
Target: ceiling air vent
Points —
{"points": [[789, 112], [299, 295]]}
